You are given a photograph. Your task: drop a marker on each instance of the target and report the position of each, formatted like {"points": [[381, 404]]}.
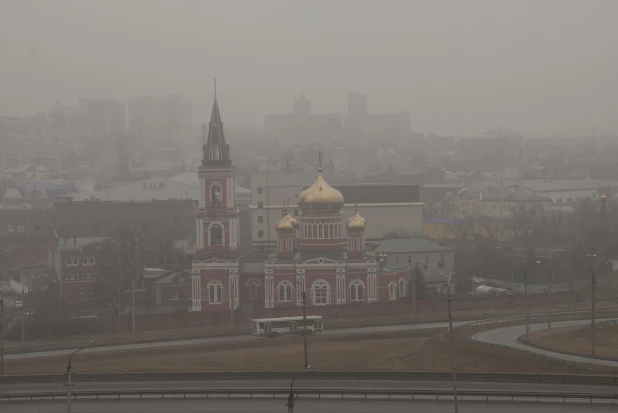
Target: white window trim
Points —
{"points": [[322, 284], [220, 296], [392, 290], [354, 284], [285, 284], [402, 291]]}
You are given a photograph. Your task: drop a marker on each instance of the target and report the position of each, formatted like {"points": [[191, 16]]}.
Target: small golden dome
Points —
{"points": [[320, 197], [603, 196], [356, 221], [287, 223]]}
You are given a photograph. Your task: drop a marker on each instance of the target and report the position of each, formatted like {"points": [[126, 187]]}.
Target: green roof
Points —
{"points": [[393, 246]]}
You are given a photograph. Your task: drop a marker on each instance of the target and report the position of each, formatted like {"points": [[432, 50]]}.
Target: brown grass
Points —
{"points": [[576, 340], [104, 339], [410, 350]]}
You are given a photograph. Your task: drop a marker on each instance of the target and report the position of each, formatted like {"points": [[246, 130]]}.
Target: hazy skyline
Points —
{"points": [[542, 68]]}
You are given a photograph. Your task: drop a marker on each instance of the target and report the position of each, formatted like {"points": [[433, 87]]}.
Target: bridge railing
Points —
{"points": [[354, 394], [583, 379]]}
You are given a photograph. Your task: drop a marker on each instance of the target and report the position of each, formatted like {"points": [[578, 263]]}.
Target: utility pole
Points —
{"points": [[593, 299], [1, 336], [413, 295], [526, 301], [549, 285], [137, 273], [23, 331], [592, 302], [452, 334], [305, 330]]}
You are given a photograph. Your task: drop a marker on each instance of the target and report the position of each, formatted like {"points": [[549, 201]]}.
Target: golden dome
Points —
{"points": [[320, 197], [287, 223], [356, 221], [603, 196]]}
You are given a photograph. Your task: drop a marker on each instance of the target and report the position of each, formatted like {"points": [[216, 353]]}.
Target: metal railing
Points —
{"points": [[347, 394]]}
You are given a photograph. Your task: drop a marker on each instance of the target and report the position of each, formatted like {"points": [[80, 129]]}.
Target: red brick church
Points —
{"points": [[312, 253]]}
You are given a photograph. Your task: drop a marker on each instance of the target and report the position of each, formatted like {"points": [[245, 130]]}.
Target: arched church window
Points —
{"points": [[321, 292], [356, 290], [215, 292], [216, 154], [285, 291], [216, 235], [215, 195]]}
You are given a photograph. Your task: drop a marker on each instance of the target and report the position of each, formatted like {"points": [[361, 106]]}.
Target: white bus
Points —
{"points": [[273, 327]]}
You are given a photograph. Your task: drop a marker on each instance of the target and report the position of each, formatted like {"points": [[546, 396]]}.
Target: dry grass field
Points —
{"points": [[576, 340], [410, 350], [105, 339]]}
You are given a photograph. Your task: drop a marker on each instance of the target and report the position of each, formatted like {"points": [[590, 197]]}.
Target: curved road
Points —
{"points": [[229, 339], [302, 406], [507, 336]]}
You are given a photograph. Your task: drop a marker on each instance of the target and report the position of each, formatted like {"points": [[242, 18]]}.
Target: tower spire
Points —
{"points": [[320, 161], [216, 150]]}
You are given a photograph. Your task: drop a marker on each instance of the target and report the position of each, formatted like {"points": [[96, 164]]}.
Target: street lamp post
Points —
{"points": [[1, 335], [69, 383], [304, 324], [291, 402], [526, 300], [452, 334], [593, 304], [550, 274], [413, 294]]}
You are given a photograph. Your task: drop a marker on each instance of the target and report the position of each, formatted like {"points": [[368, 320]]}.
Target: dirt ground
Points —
{"points": [[104, 339], [576, 340], [412, 350]]}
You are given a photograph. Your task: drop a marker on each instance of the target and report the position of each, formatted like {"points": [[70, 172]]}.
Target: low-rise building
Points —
{"points": [[489, 202], [78, 263], [569, 190], [409, 252]]}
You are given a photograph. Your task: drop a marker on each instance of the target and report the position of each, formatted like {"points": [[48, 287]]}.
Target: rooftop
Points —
{"points": [[541, 185], [152, 189], [408, 245], [66, 243]]}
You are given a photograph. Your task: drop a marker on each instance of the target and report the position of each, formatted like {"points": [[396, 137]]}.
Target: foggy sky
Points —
{"points": [[539, 67]]}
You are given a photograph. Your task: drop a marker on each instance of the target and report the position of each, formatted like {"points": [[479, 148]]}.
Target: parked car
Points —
{"points": [[5, 290], [19, 304]]}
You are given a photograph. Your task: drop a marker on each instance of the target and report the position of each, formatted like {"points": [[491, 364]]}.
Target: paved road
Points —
{"points": [[229, 339], [305, 383], [507, 336], [302, 406], [211, 340]]}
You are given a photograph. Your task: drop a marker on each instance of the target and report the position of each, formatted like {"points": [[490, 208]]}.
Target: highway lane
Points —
{"points": [[230, 339], [302, 406], [507, 336], [305, 383]]}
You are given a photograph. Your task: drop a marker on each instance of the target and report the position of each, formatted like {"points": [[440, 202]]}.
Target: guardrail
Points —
{"points": [[368, 394], [609, 380]]}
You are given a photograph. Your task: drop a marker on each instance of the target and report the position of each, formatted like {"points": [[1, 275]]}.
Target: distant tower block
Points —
{"points": [[302, 106], [357, 104]]}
